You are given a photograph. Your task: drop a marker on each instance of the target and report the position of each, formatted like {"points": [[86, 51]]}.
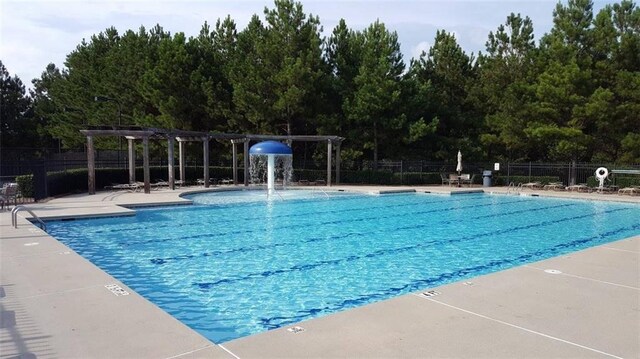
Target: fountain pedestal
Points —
{"points": [[270, 149], [271, 174]]}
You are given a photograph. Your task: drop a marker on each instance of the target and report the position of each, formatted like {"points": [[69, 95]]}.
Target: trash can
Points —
{"points": [[486, 178]]}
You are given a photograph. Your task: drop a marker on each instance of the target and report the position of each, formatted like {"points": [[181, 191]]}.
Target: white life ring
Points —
{"points": [[602, 173]]}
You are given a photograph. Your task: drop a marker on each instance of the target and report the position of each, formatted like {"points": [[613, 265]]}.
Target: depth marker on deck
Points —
{"points": [[431, 293], [552, 271], [296, 330], [116, 290]]}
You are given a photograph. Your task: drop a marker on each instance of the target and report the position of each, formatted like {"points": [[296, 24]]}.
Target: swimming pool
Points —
{"points": [[235, 264]]}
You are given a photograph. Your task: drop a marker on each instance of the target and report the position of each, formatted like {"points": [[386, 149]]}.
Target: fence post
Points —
{"points": [[529, 171], [571, 179], [508, 172], [39, 172], [46, 183]]}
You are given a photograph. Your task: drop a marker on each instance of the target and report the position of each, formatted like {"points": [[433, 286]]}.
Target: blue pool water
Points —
{"points": [[235, 264]]}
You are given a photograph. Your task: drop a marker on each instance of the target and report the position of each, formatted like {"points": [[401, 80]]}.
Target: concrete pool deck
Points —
{"points": [[55, 304]]}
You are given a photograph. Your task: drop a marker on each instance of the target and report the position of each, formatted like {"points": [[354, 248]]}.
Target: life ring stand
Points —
{"points": [[602, 173]]}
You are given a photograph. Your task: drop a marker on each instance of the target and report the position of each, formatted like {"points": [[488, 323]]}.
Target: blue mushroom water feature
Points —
{"points": [[278, 158]]}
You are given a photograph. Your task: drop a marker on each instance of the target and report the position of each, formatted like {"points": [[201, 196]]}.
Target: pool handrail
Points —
{"points": [[14, 217], [516, 189]]}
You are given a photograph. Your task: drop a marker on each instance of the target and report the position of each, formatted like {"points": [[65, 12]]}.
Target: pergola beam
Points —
{"points": [[131, 133]]}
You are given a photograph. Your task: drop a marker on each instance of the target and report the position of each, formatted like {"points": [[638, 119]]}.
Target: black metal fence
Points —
{"points": [[569, 173]]}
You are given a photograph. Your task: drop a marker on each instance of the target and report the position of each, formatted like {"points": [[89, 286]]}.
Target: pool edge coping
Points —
{"points": [[183, 202]]}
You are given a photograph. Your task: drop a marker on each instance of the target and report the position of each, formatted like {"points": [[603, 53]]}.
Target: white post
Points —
{"points": [[181, 161], [246, 162], [271, 167], [234, 156], [132, 161]]}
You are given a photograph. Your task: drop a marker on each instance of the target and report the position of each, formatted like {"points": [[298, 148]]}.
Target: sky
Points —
{"points": [[34, 33]]}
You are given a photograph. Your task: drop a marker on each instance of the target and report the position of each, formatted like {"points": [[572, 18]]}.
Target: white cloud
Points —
{"points": [[417, 50], [34, 33]]}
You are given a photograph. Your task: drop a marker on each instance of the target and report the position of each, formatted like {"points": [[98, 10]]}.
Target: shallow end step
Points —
{"points": [[390, 191], [157, 204], [465, 191]]}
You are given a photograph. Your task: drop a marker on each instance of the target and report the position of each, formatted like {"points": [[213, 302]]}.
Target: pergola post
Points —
{"points": [[132, 160], [170, 163], [91, 164], [329, 155], [246, 162], [338, 162], [181, 160], [145, 164], [205, 157], [183, 137], [234, 150]]}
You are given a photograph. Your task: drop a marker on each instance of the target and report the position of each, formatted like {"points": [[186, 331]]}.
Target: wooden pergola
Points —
{"points": [[145, 134]]}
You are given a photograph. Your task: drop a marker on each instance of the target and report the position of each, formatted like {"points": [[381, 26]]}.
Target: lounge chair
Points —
{"points": [[555, 186], [321, 182], [133, 187], [467, 179], [630, 190], [532, 185], [117, 186], [607, 189], [9, 192], [444, 179], [303, 182], [213, 181], [159, 184], [454, 179], [226, 181], [582, 187]]}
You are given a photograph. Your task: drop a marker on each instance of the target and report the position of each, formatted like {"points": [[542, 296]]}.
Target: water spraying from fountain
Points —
{"points": [[270, 160]]}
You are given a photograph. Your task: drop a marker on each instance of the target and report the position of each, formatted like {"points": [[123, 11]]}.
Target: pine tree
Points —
{"points": [[374, 107]]}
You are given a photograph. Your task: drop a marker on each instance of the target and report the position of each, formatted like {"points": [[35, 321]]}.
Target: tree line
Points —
{"points": [[573, 95]]}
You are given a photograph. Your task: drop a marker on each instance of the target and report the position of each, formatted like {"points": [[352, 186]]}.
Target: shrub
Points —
{"points": [[367, 177], [76, 180], [620, 181], [502, 180], [309, 175], [25, 184], [417, 178]]}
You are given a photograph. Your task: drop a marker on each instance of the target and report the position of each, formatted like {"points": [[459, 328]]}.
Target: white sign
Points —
{"points": [[496, 166]]}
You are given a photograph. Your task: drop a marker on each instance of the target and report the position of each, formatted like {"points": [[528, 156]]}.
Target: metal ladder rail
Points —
{"points": [[323, 191], [14, 217], [519, 188], [516, 189]]}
